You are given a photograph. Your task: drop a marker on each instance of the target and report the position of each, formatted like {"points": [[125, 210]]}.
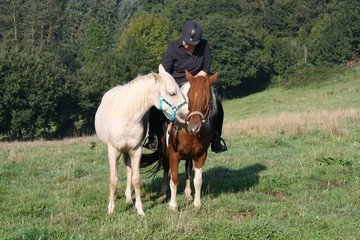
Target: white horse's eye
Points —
{"points": [[172, 94]]}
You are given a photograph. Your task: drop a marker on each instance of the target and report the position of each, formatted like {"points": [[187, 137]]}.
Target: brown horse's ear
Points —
{"points": [[189, 77], [213, 78]]}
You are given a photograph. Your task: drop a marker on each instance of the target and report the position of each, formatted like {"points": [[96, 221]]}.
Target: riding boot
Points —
{"points": [[218, 144], [156, 119]]}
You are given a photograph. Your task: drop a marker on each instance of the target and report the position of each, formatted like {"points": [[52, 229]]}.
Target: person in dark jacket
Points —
{"points": [[191, 53]]}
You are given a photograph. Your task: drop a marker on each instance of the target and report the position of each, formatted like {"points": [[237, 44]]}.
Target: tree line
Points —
{"points": [[58, 57]]}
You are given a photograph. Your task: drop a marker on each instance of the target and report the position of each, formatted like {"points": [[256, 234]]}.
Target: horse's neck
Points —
{"points": [[139, 95], [185, 89]]}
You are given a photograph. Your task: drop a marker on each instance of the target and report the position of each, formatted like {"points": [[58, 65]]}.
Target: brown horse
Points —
{"points": [[189, 142]]}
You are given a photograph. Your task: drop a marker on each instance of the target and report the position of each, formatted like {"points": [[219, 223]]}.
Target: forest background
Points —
{"points": [[58, 57]]}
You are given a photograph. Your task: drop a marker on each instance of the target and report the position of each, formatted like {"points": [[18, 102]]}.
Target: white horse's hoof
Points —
{"points": [[111, 208], [129, 201], [197, 204], [172, 206], [141, 213]]}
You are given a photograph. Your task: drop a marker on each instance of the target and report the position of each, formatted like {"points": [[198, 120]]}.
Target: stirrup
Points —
{"points": [[151, 145], [218, 147]]}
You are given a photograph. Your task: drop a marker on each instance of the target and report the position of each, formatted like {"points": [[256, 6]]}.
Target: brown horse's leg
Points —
{"points": [[199, 163], [165, 184], [174, 182], [188, 167], [165, 161], [113, 156]]}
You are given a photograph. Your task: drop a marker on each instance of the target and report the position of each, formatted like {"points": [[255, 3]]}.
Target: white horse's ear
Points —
{"points": [[156, 76], [161, 68]]}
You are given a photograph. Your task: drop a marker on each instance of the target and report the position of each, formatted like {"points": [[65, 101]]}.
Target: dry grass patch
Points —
{"points": [[331, 122], [20, 144]]}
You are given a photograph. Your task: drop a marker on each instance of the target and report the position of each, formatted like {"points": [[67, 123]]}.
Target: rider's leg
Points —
{"points": [[156, 119], [218, 144]]}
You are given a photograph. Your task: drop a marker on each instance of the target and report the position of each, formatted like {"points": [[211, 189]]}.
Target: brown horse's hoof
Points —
{"points": [[189, 198], [162, 197]]}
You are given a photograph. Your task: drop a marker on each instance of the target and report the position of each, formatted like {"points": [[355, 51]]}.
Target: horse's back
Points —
{"points": [[104, 112], [114, 124]]}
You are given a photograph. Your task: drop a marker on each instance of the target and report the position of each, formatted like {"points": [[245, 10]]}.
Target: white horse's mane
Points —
{"points": [[130, 97]]}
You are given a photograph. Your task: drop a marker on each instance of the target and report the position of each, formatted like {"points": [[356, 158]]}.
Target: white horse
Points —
{"points": [[121, 123]]}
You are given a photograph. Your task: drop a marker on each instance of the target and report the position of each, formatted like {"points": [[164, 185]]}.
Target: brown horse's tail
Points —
{"points": [[148, 160]]}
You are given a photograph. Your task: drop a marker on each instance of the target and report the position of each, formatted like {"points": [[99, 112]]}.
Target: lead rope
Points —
{"points": [[168, 132]]}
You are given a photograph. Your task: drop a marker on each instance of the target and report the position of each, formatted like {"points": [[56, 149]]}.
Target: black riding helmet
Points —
{"points": [[192, 32]]}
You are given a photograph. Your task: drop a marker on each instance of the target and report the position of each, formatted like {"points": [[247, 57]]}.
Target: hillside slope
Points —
{"points": [[342, 91], [308, 107]]}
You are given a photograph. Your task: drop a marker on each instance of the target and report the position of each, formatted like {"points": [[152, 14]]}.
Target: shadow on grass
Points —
{"points": [[218, 180], [222, 180]]}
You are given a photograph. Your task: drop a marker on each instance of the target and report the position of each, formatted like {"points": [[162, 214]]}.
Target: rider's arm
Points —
{"points": [[202, 73], [207, 60]]}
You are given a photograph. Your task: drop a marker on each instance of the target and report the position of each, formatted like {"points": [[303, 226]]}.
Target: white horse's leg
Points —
{"points": [[197, 184], [113, 156], [128, 181], [136, 181]]}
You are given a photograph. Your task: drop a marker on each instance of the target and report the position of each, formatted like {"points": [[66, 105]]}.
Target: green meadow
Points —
{"points": [[292, 171]]}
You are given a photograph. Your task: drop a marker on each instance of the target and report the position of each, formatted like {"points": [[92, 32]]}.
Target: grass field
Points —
{"points": [[292, 172]]}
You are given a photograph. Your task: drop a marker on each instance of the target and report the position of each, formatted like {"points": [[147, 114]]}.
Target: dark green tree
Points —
{"points": [[109, 70], [334, 36], [41, 22], [37, 100], [105, 14], [238, 56], [70, 42], [95, 43], [180, 12], [328, 43], [126, 10], [285, 54], [144, 42], [29, 24], [11, 14]]}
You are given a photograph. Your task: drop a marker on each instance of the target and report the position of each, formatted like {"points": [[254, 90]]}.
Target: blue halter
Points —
{"points": [[174, 108]]}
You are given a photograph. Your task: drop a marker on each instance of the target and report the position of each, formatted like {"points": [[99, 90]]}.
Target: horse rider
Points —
{"points": [[192, 53]]}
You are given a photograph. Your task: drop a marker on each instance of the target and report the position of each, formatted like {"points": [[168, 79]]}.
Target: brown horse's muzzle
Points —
{"points": [[194, 122]]}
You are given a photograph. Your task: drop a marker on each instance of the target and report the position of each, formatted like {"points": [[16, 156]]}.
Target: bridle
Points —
{"points": [[204, 117], [174, 108]]}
